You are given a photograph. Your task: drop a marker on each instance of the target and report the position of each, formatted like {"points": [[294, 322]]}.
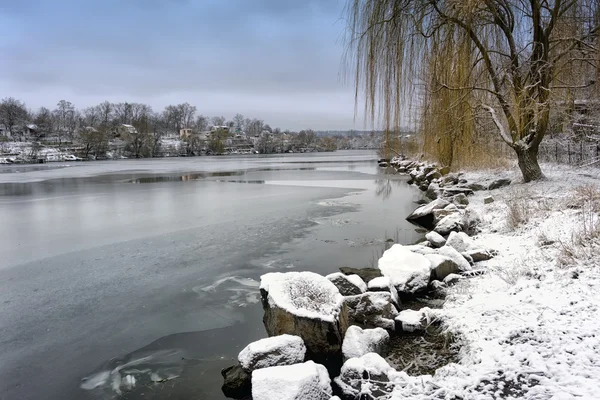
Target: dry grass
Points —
{"points": [[518, 208], [584, 243]]}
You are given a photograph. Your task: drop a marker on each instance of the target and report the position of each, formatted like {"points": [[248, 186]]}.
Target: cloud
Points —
{"points": [[255, 55]]}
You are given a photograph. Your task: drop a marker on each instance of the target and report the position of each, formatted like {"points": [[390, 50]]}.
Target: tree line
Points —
{"points": [[93, 127]]}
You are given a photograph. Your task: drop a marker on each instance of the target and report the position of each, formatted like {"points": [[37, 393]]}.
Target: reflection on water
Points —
{"points": [[385, 187]]}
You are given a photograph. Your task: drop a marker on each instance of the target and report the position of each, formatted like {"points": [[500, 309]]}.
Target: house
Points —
{"points": [[223, 128], [184, 133], [125, 129]]}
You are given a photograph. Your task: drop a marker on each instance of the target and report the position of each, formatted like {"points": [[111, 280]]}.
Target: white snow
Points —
{"points": [[412, 320], [272, 351], [408, 271], [532, 323], [304, 294], [292, 382], [359, 342], [357, 281], [384, 283]]}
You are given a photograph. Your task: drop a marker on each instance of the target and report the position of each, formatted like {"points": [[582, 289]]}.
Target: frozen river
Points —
{"points": [[154, 265]]}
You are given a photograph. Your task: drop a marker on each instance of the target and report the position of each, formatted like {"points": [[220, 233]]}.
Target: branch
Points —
{"points": [[494, 116]]}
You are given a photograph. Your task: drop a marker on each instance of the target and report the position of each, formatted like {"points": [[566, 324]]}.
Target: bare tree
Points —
{"points": [[65, 120], [254, 127], [238, 122], [218, 121], [502, 56], [12, 114], [201, 123], [44, 121]]}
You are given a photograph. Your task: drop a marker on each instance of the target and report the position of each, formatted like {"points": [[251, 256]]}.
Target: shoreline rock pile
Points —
{"points": [[328, 335]]}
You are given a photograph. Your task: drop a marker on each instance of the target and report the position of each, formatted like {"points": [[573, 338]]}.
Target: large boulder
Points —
{"points": [[498, 183], [359, 342], [424, 214], [348, 285], [442, 266], [435, 239], [237, 382], [435, 174], [308, 305], [365, 377], [460, 241], [273, 351], [471, 220], [433, 191], [408, 271], [450, 223], [366, 274], [447, 251], [372, 310], [292, 382], [460, 198]]}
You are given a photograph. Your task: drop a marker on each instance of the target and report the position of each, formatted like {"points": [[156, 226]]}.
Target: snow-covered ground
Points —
{"points": [[530, 327]]}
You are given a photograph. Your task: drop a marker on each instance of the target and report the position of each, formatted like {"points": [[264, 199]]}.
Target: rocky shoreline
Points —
{"points": [[329, 335]]}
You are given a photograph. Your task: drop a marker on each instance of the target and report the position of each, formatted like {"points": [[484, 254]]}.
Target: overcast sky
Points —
{"points": [[277, 60]]}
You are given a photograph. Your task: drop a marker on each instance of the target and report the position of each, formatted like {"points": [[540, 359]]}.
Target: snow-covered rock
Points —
{"points": [[479, 254], [451, 207], [348, 285], [488, 199], [433, 191], [424, 214], [359, 342], [452, 222], [498, 183], [292, 382], [452, 279], [460, 198], [454, 190], [442, 266], [367, 376], [471, 220], [450, 252], [384, 284], [372, 310], [272, 351], [411, 320], [435, 239], [307, 305], [460, 241], [408, 271]]}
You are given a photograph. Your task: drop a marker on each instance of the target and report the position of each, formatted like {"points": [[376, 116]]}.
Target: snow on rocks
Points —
{"points": [[412, 320], [435, 239], [348, 285], [408, 271], [359, 342], [272, 351], [463, 264], [384, 284], [372, 309], [442, 266], [307, 305], [460, 241], [451, 222], [367, 376], [424, 214], [292, 382]]}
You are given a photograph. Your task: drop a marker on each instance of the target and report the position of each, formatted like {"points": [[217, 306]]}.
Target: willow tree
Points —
{"points": [[505, 59]]}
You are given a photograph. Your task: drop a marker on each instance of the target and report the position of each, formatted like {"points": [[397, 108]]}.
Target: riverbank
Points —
{"points": [[524, 315], [529, 326]]}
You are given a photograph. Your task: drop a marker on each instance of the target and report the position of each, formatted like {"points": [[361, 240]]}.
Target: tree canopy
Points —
{"points": [[509, 59]]}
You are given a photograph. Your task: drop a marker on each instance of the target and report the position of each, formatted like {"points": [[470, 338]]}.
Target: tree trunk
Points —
{"points": [[528, 163]]}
